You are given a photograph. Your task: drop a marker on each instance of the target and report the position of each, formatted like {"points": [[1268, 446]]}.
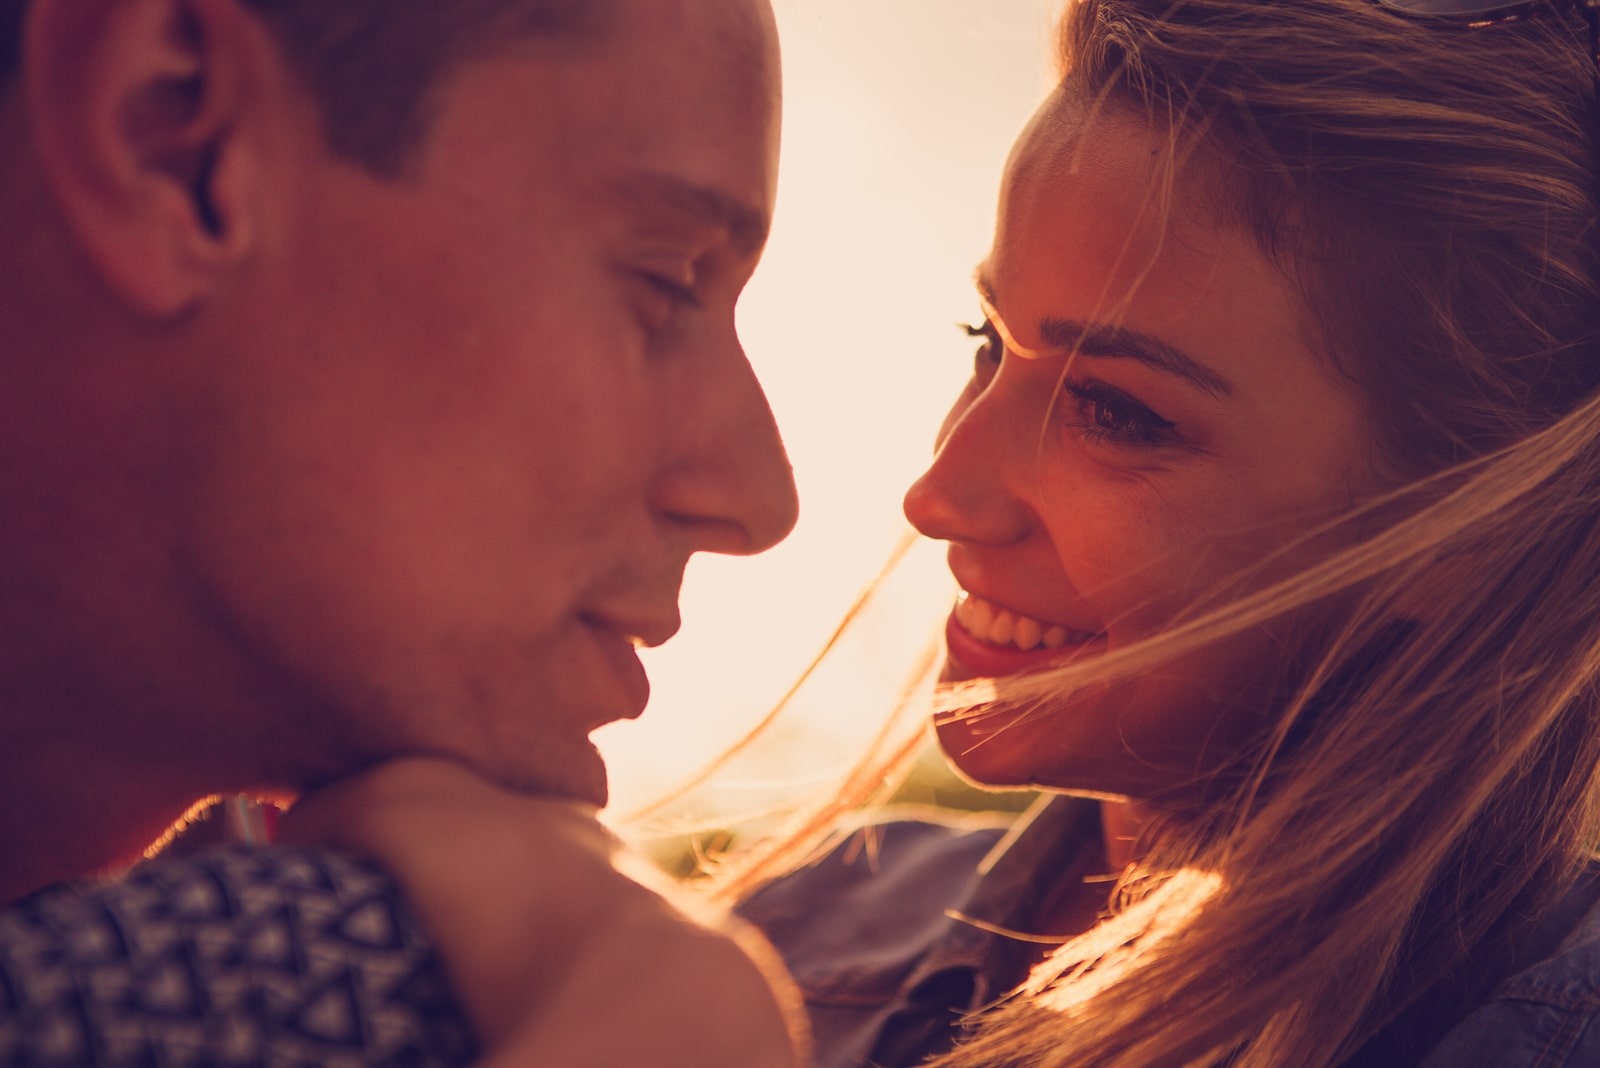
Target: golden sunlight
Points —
{"points": [[898, 117]]}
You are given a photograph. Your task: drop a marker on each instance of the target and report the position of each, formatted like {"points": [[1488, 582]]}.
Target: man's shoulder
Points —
{"points": [[324, 891], [238, 955]]}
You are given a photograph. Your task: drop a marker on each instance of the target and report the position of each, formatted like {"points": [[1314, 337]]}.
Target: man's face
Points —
{"points": [[473, 423]]}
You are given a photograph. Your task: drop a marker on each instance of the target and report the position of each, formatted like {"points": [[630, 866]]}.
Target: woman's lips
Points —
{"points": [[985, 640]]}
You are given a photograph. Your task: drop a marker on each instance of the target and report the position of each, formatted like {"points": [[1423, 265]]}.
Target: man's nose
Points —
{"points": [[730, 485]]}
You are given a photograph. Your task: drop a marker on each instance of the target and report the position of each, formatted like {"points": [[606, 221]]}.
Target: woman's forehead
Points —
{"points": [[1069, 137], [1111, 228], [1099, 198]]}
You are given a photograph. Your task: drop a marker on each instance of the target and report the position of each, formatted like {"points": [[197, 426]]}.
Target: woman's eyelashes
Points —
{"points": [[1102, 415], [990, 348], [1108, 416]]}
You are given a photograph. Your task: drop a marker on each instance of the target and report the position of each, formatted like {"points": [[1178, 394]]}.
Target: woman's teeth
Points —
{"points": [[1001, 626]]}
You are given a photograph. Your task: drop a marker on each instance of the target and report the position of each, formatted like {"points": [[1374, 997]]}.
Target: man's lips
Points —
{"points": [[620, 651], [986, 640], [640, 629]]}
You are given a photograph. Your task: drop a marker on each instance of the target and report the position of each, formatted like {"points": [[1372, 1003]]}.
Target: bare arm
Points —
{"points": [[559, 955]]}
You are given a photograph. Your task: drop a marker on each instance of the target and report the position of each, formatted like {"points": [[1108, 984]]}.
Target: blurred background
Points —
{"points": [[898, 117]]}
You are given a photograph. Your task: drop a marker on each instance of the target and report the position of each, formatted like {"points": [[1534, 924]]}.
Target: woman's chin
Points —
{"points": [[980, 752], [991, 755]]}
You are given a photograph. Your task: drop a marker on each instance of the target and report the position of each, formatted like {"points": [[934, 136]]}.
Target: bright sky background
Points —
{"points": [[898, 117]]}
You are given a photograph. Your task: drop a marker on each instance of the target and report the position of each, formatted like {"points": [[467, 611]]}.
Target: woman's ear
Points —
{"points": [[138, 111]]}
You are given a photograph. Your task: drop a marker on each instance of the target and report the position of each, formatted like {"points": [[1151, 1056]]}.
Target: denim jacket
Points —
{"points": [[1545, 1016], [895, 935]]}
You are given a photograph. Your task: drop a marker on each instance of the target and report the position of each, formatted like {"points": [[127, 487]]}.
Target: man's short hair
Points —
{"points": [[372, 63]]}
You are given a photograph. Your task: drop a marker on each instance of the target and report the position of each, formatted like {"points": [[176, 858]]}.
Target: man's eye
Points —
{"points": [[672, 289], [662, 300]]}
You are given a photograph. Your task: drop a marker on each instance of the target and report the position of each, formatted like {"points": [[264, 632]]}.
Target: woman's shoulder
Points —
{"points": [[1548, 1012], [888, 893], [859, 918], [905, 856]]}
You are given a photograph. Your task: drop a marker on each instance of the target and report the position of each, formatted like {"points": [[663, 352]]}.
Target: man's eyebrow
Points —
{"points": [[1066, 336], [701, 205]]}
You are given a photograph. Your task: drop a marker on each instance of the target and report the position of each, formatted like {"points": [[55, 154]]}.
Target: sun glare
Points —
{"points": [[898, 117]]}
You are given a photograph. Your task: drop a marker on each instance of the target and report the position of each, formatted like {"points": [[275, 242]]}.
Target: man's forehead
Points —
{"points": [[699, 40]]}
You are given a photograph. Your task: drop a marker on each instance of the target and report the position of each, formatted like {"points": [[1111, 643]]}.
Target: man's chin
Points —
{"points": [[574, 772], [578, 774]]}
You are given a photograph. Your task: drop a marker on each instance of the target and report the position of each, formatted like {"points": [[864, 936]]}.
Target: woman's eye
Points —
{"points": [[990, 348], [1104, 415]]}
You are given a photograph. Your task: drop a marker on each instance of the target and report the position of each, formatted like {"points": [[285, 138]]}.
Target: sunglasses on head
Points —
{"points": [[1491, 12]]}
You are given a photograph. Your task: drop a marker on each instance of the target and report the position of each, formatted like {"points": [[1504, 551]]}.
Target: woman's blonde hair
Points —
{"points": [[1431, 780]]}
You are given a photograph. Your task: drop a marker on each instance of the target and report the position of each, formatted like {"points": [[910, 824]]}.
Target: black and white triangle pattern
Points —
{"points": [[241, 956]]}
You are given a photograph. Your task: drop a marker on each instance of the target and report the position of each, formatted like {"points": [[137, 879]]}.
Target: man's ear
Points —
{"points": [[136, 108]]}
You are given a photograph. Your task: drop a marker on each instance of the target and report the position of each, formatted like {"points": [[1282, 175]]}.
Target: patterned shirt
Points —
{"points": [[239, 956]]}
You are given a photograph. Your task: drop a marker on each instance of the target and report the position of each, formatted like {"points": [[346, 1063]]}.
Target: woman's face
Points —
{"points": [[1089, 500]]}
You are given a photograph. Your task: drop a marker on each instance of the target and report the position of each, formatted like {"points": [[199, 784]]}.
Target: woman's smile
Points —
{"points": [[985, 639]]}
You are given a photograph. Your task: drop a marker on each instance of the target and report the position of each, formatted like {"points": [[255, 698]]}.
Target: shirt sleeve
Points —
{"points": [[241, 956]]}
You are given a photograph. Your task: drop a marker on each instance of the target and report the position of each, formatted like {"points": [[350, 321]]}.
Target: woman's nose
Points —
{"points": [[970, 491]]}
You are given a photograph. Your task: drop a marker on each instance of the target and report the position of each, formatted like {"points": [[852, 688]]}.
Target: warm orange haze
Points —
{"points": [[1187, 418], [898, 117]]}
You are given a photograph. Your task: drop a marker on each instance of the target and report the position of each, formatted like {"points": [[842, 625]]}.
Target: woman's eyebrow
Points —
{"points": [[1065, 337]]}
